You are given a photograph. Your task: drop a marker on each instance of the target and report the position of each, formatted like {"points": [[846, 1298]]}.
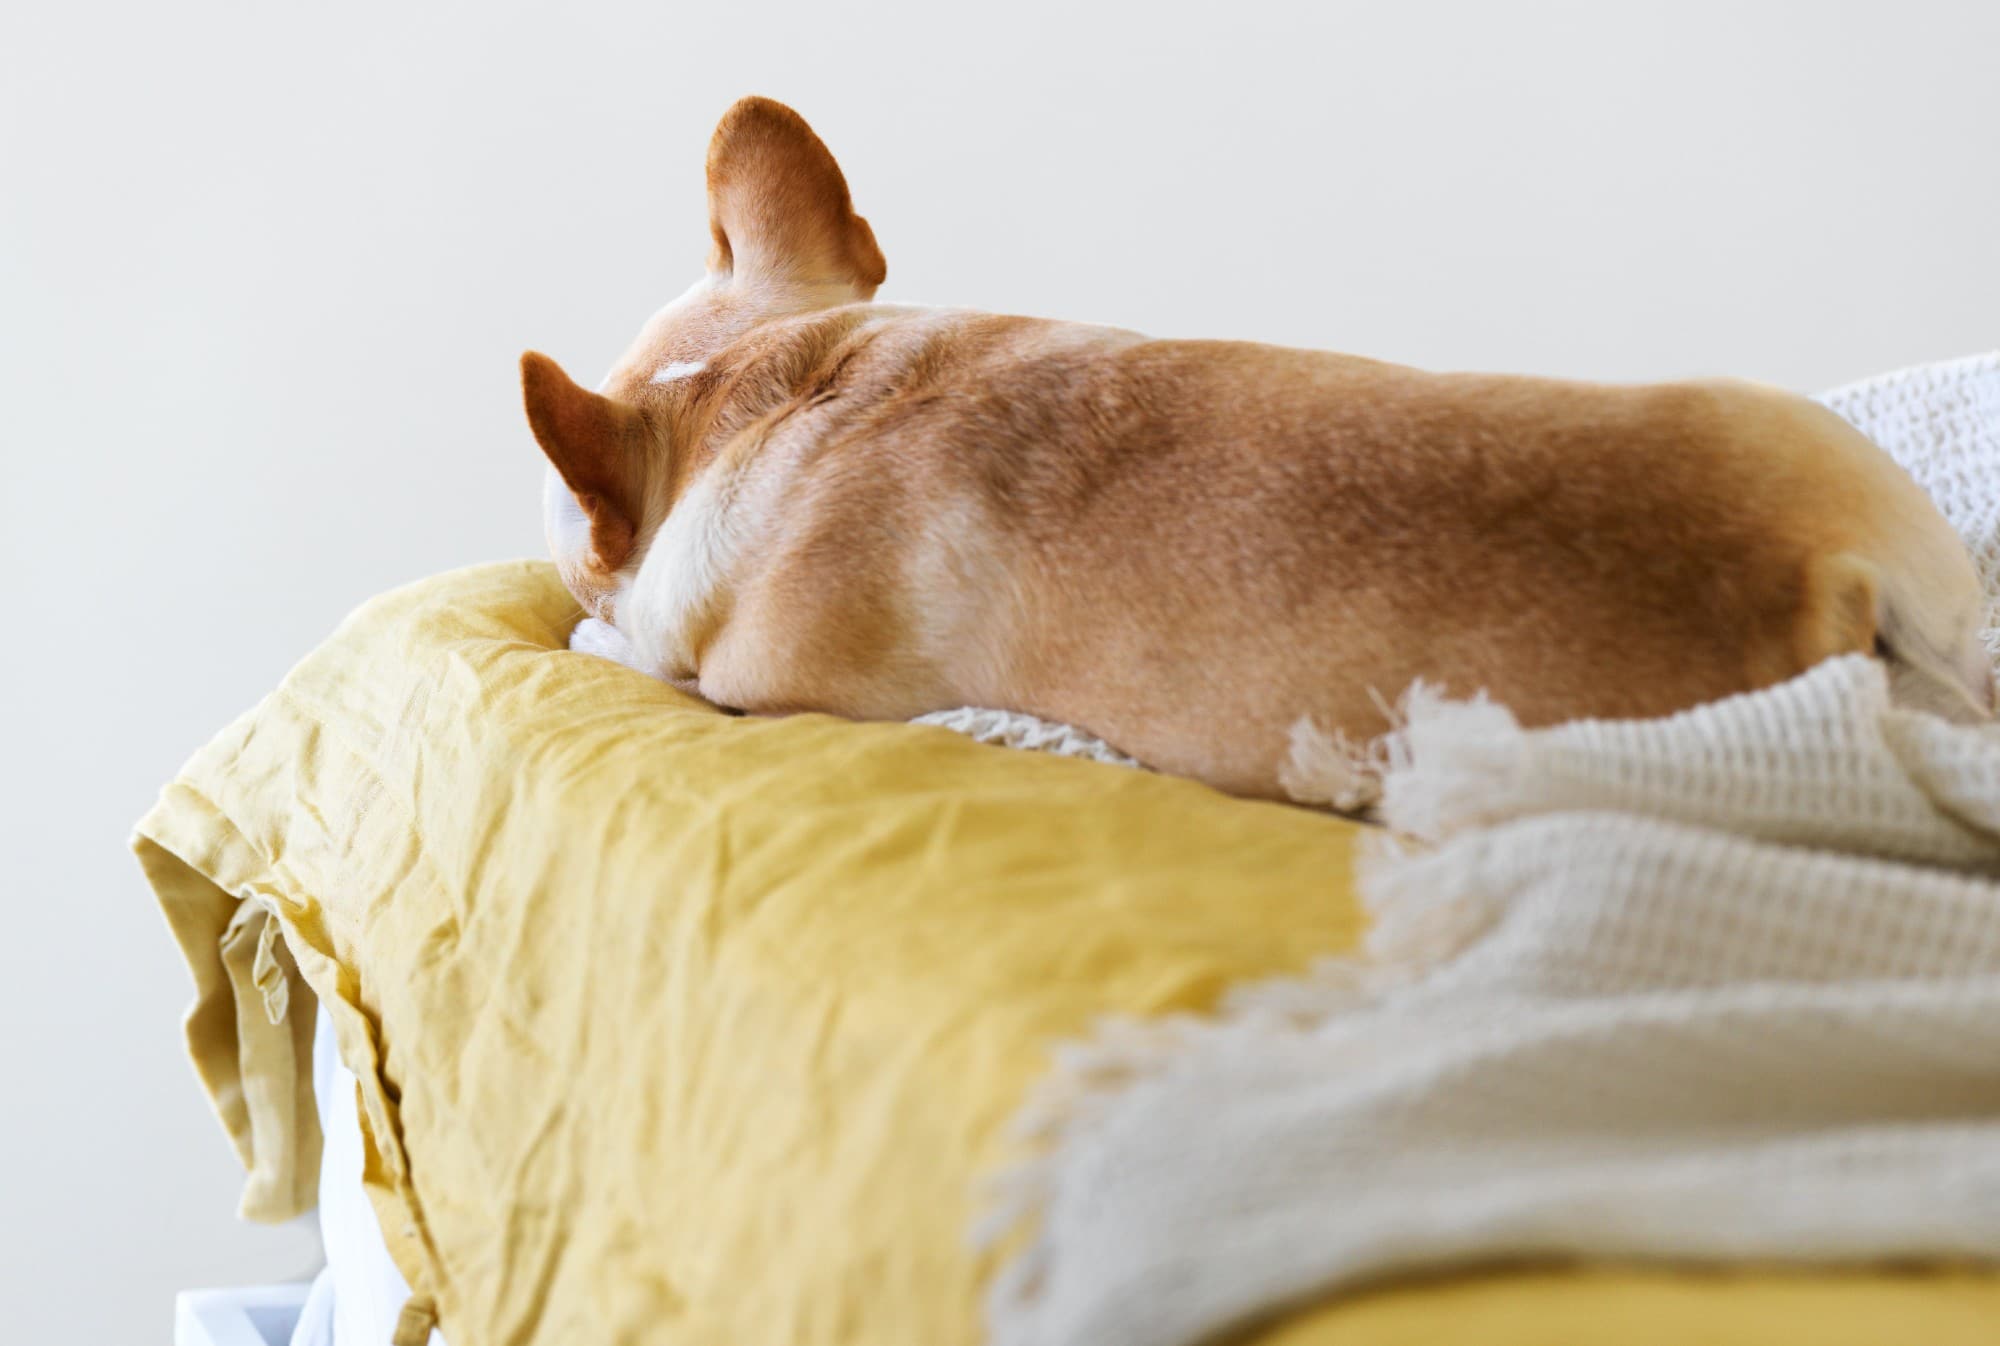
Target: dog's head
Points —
{"points": [[785, 241]]}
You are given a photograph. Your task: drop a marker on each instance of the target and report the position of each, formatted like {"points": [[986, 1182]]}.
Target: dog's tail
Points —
{"points": [[1853, 607]]}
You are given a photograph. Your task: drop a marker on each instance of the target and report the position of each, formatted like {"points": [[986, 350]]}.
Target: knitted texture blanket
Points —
{"points": [[1723, 985]]}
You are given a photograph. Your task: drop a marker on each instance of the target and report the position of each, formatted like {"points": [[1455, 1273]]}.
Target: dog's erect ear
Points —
{"points": [[778, 206], [598, 448]]}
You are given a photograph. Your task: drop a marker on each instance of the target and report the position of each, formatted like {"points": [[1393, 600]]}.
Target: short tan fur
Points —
{"points": [[793, 498]]}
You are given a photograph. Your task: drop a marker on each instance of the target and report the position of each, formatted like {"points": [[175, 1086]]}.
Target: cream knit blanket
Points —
{"points": [[1721, 985]]}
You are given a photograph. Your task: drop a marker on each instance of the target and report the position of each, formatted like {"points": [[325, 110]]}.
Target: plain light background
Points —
{"points": [[265, 271]]}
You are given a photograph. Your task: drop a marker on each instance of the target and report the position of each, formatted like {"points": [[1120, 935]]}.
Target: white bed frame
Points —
{"points": [[248, 1315]]}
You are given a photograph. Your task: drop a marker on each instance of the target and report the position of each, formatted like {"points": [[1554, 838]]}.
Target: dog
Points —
{"points": [[787, 497]]}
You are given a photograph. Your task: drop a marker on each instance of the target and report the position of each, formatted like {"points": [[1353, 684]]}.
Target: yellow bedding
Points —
{"points": [[682, 1028]]}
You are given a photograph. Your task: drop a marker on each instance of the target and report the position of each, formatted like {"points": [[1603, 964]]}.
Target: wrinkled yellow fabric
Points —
{"points": [[675, 1027]]}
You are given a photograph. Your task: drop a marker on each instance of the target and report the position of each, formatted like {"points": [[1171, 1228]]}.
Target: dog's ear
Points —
{"points": [[778, 206], [598, 448]]}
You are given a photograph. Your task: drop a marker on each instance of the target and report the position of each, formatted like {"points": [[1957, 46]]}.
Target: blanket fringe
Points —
{"points": [[1415, 927], [1328, 769], [1473, 752]]}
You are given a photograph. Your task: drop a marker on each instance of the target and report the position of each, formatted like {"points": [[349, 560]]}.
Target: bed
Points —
{"points": [[671, 1026]]}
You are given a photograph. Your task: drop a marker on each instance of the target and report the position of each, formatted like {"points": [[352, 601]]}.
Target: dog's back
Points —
{"points": [[1185, 546]]}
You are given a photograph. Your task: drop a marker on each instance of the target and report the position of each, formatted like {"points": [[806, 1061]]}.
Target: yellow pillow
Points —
{"points": [[683, 1028]]}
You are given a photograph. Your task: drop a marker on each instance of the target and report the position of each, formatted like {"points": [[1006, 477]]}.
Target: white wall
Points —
{"points": [[267, 268]]}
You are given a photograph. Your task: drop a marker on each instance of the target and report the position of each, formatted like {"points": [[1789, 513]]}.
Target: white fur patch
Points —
{"points": [[602, 639], [679, 369], [672, 599]]}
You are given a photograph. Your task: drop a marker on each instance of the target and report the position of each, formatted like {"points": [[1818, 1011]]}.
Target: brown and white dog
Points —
{"points": [[790, 498]]}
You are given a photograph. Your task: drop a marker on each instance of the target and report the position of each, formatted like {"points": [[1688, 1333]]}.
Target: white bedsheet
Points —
{"points": [[357, 1297]]}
